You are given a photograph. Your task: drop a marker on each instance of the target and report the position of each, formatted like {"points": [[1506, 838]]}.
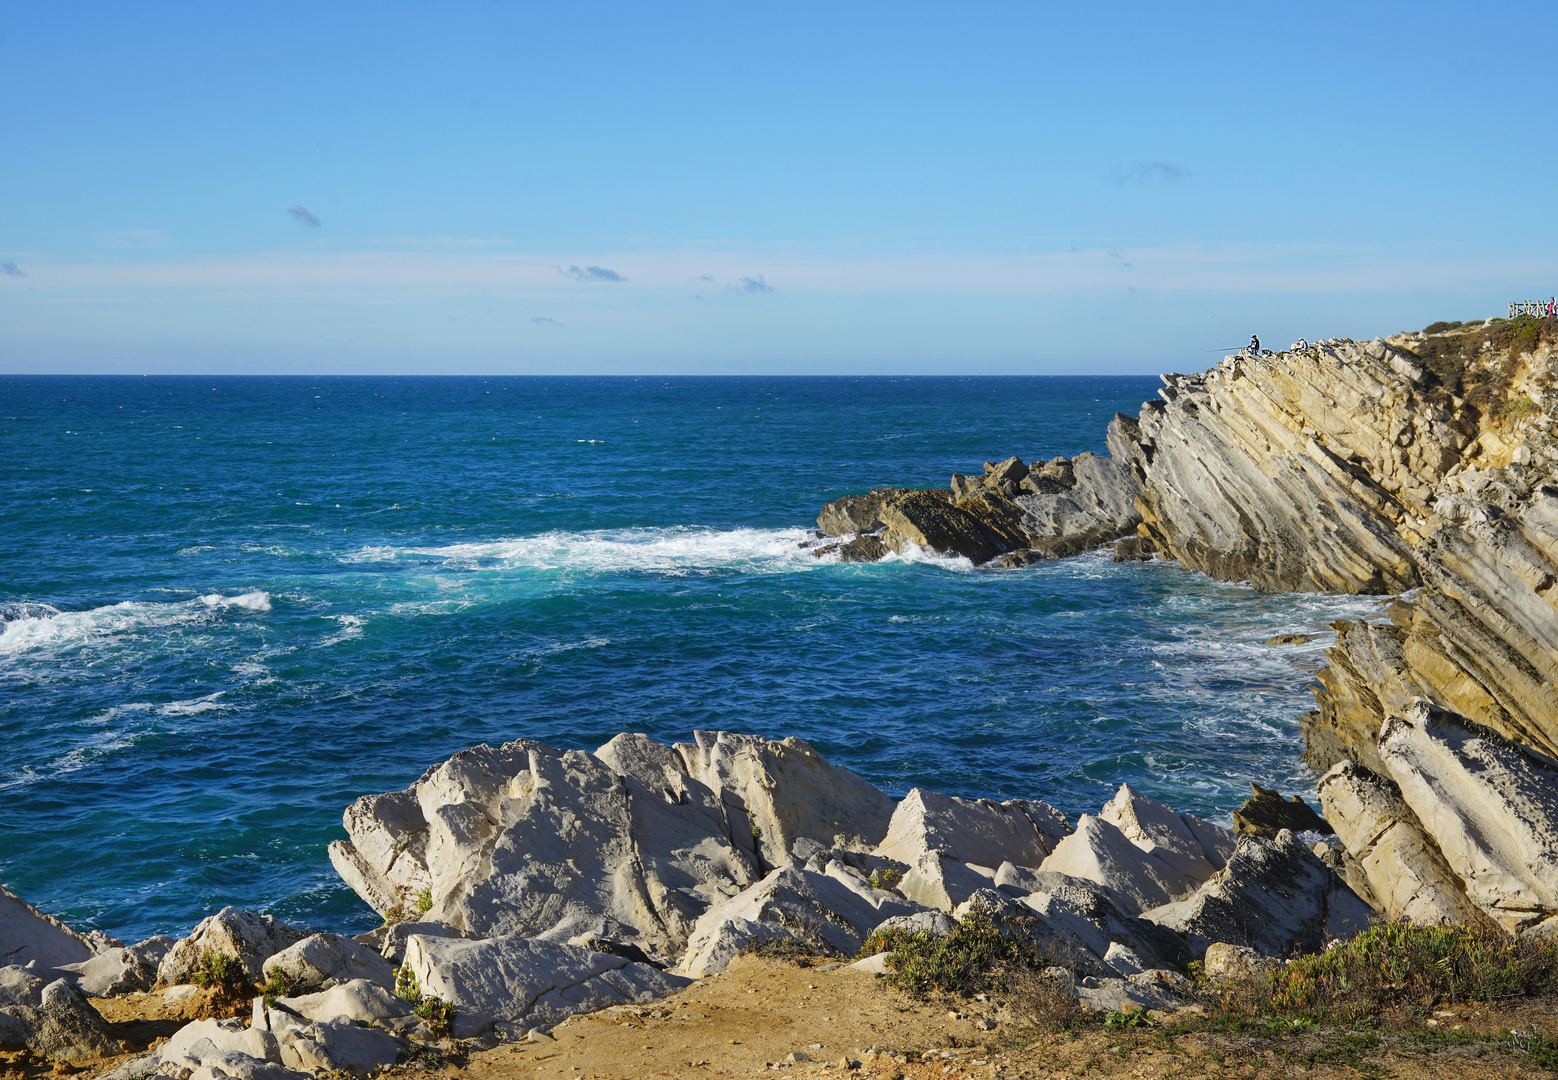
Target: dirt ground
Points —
{"points": [[773, 1018]]}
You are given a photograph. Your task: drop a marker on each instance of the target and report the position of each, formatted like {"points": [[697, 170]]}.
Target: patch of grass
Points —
{"points": [[1474, 361], [1130, 1018], [1517, 408], [799, 953]]}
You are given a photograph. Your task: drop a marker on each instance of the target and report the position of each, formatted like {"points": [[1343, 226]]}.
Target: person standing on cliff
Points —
{"points": [[1254, 345]]}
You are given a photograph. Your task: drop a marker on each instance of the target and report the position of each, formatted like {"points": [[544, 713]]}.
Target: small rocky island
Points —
{"points": [[521, 885]]}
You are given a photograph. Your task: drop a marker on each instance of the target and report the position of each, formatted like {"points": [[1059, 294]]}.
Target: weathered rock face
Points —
{"points": [[52, 1019], [321, 961], [632, 843], [1405, 872], [1275, 897]]}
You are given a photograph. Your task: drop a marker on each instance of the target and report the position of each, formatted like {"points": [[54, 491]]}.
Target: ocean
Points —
{"points": [[233, 605]]}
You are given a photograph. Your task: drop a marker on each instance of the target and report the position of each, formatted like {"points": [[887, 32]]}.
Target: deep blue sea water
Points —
{"points": [[233, 605]]}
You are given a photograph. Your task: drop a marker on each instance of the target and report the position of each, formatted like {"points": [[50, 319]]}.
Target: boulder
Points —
{"points": [[123, 970], [359, 1001], [919, 922], [514, 979], [1267, 813], [339, 1047], [247, 936], [1100, 852], [53, 1020], [321, 961], [201, 1040], [1157, 989], [832, 912], [1490, 806], [927, 521], [972, 830], [27, 935], [389, 940], [1134, 549], [1224, 962], [1275, 897], [1406, 875]]}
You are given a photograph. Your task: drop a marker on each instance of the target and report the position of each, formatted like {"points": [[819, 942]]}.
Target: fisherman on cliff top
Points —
{"points": [[1254, 345]]}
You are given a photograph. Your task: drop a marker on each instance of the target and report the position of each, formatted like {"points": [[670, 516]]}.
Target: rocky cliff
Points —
{"points": [[1423, 466]]}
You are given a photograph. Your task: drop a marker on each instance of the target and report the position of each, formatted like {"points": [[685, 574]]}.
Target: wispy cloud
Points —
{"points": [[134, 238], [542, 320], [306, 216], [590, 273], [750, 285], [10, 269], [1144, 171]]}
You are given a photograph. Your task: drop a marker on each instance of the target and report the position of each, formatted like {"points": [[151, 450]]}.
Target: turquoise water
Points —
{"points": [[234, 605]]}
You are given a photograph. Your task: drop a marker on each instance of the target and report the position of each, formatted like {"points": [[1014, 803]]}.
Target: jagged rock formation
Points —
{"points": [[1013, 515]]}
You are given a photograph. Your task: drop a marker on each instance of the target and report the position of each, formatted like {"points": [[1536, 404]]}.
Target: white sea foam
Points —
{"points": [[40, 626], [665, 551], [194, 705]]}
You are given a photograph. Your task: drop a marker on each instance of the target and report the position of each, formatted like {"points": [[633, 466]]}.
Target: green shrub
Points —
{"points": [[1394, 965], [439, 1015], [218, 971], [425, 900], [406, 985], [277, 985], [973, 957]]}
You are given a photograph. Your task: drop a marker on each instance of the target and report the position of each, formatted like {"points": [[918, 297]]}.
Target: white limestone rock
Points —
{"points": [[389, 941], [526, 840], [122, 970], [54, 1020], [833, 912], [27, 935], [1224, 962], [1086, 915], [247, 936], [201, 1040], [1405, 873], [1490, 806], [1156, 989], [1192, 848], [359, 1001], [787, 791], [1275, 897], [321, 961], [979, 831], [940, 882], [1099, 852], [336, 1047], [516, 979]]}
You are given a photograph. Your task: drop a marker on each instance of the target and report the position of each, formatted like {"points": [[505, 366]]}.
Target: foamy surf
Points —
{"points": [[29, 627], [654, 551]]}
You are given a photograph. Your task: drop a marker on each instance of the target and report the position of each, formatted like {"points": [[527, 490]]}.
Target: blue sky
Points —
{"points": [[736, 188]]}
